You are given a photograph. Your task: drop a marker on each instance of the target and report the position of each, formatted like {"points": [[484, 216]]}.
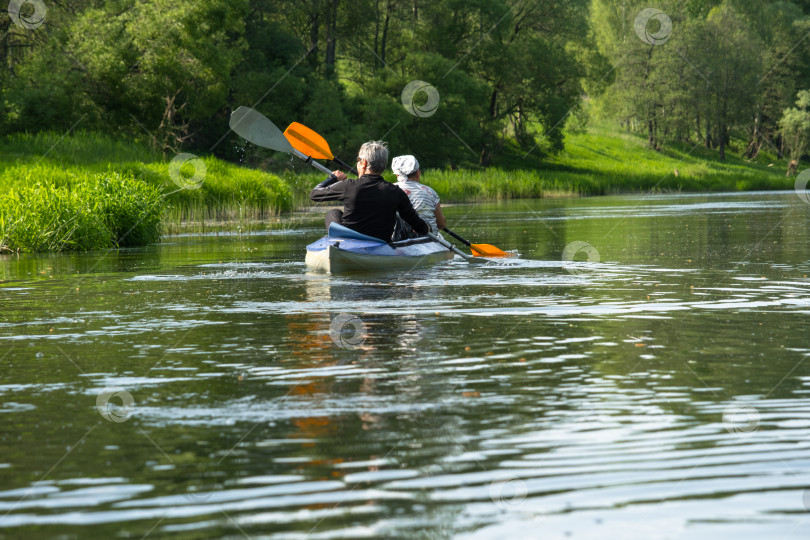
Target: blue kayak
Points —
{"points": [[345, 250]]}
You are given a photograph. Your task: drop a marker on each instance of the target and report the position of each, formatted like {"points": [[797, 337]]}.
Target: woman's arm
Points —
{"points": [[441, 223]]}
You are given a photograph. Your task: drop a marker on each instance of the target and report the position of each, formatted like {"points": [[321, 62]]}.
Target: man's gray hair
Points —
{"points": [[376, 155]]}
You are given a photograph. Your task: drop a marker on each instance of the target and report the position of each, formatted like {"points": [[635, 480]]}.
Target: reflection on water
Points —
{"points": [[662, 392]]}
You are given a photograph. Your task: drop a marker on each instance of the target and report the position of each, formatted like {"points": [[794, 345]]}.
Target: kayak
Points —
{"points": [[345, 250]]}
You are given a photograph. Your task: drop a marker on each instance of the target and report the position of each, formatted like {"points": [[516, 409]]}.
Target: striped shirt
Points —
{"points": [[424, 201]]}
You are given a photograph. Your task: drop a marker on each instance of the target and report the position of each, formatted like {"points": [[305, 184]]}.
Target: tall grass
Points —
{"points": [[602, 161], [86, 190], [101, 211], [57, 191]]}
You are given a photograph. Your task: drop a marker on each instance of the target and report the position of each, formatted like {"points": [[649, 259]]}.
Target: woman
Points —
{"points": [[423, 198]]}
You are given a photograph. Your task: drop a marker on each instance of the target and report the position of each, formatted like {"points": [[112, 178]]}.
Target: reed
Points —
{"points": [[101, 211], [87, 191]]}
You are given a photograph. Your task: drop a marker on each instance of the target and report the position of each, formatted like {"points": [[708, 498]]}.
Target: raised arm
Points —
{"points": [[331, 189]]}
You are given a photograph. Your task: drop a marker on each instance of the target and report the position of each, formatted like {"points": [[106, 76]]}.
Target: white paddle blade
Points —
{"points": [[255, 127]]}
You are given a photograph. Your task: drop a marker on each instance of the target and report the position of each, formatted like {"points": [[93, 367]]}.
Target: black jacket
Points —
{"points": [[370, 205]]}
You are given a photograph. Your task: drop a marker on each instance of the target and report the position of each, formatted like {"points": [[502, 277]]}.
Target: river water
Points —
{"points": [[640, 372]]}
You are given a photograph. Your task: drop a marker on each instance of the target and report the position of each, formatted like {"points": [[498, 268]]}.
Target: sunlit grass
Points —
{"points": [[100, 211], [86, 191], [606, 160], [52, 185]]}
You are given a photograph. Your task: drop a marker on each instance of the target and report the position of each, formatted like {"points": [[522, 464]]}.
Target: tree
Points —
{"points": [[732, 64], [161, 66], [637, 96], [795, 126]]}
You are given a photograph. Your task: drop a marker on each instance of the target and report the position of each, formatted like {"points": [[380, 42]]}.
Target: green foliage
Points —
{"points": [[514, 78], [224, 188], [795, 125], [727, 69], [58, 192], [161, 64], [99, 211], [131, 209], [171, 72], [601, 162]]}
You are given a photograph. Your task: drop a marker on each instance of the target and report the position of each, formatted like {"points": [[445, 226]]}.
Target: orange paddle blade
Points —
{"points": [[307, 141], [487, 250]]}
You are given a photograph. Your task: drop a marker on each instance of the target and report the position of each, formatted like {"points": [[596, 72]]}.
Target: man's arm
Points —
{"points": [[410, 216], [331, 189]]}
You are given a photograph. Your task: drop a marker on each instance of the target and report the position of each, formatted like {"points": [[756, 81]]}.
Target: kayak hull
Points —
{"points": [[360, 253], [338, 261]]}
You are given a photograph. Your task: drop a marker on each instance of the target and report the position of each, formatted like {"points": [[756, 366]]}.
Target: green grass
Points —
{"points": [[102, 211], [608, 160], [605, 160], [84, 191], [89, 191]]}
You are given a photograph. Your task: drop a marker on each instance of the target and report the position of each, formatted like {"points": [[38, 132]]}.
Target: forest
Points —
{"points": [[459, 83]]}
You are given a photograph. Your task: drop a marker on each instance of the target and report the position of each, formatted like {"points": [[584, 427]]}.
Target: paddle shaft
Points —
{"points": [[345, 166], [457, 237], [311, 161], [455, 250]]}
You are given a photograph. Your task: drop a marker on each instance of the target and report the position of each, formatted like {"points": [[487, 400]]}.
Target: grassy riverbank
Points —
{"points": [[606, 160], [87, 191], [603, 161]]}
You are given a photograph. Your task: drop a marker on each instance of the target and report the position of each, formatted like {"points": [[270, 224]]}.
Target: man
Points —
{"points": [[423, 198], [370, 204]]}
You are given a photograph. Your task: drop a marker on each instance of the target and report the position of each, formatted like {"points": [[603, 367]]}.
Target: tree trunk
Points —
{"points": [[722, 130], [331, 36], [377, 35], [485, 158], [754, 145], [708, 133], [314, 27], [388, 8]]}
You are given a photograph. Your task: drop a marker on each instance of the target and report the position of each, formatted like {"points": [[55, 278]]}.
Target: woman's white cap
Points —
{"points": [[404, 166]]}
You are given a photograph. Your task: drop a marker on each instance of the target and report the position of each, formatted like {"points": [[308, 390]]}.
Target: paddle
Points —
{"points": [[479, 250], [255, 127], [454, 249], [312, 144]]}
